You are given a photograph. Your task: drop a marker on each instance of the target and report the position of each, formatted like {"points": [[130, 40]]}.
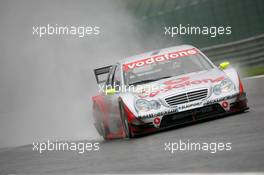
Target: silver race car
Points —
{"points": [[162, 89]]}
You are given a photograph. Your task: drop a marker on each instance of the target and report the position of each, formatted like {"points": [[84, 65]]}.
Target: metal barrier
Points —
{"points": [[244, 53]]}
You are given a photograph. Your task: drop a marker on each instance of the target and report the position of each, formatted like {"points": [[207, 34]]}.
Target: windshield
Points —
{"points": [[165, 69]]}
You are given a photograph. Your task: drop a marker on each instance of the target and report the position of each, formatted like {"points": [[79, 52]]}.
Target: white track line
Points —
{"points": [[254, 77]]}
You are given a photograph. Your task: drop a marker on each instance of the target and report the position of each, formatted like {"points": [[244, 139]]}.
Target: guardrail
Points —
{"points": [[244, 53]]}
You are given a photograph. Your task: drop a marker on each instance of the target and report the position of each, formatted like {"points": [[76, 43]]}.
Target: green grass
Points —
{"points": [[253, 71]]}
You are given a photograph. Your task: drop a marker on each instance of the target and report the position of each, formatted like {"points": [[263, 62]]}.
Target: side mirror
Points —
{"points": [[110, 91], [224, 65]]}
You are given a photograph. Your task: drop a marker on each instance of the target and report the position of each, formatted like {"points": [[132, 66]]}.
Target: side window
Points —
{"points": [[110, 76], [117, 76]]}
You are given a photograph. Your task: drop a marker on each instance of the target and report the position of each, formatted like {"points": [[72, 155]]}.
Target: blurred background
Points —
{"points": [[46, 83], [244, 16], [244, 48]]}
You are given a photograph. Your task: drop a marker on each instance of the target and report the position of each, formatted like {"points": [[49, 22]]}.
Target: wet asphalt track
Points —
{"points": [[146, 154]]}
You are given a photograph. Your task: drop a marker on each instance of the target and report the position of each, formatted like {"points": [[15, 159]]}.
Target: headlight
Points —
{"points": [[224, 87], [217, 89], [144, 105], [154, 104], [227, 85]]}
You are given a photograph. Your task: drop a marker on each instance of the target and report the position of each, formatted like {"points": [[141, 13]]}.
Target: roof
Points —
{"points": [[154, 52]]}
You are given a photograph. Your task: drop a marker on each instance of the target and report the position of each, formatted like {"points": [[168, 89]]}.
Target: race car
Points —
{"points": [[164, 88]]}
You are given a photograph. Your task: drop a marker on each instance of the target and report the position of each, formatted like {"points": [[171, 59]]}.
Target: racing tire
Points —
{"points": [[125, 124]]}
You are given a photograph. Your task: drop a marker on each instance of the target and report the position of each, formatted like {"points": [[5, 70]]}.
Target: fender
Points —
{"points": [[130, 115], [99, 101], [128, 101], [233, 75]]}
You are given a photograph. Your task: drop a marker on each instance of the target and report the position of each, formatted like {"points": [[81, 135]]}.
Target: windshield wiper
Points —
{"points": [[149, 80]]}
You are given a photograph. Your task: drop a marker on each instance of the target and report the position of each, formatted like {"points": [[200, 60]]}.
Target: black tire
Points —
{"points": [[104, 131], [126, 125]]}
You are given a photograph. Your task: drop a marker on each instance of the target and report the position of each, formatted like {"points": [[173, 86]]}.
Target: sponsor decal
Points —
{"points": [[221, 99], [159, 58], [156, 114], [157, 121], [181, 82], [187, 106], [225, 105]]}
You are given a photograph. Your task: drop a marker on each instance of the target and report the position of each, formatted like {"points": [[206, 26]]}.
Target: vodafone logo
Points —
{"points": [[183, 82], [159, 58]]}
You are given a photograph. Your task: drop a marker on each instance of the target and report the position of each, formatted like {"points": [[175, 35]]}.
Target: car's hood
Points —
{"points": [[178, 84]]}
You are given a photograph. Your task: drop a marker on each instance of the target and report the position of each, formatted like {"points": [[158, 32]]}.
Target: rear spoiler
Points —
{"points": [[101, 74]]}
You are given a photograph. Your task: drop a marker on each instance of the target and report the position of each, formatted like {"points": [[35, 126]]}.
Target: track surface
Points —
{"points": [[146, 154]]}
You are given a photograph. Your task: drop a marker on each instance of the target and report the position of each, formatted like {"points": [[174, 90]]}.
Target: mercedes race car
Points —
{"points": [[164, 88]]}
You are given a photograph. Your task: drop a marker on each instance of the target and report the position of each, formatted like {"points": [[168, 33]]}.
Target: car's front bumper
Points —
{"points": [[237, 104]]}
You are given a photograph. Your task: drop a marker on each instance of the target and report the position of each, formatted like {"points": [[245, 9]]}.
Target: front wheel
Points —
{"points": [[126, 125]]}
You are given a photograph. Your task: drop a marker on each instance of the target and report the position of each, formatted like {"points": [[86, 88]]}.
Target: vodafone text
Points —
{"points": [[159, 58]]}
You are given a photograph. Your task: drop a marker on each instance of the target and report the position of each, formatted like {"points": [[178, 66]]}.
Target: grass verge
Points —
{"points": [[253, 71]]}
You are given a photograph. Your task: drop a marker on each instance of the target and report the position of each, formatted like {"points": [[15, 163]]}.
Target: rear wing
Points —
{"points": [[101, 74]]}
